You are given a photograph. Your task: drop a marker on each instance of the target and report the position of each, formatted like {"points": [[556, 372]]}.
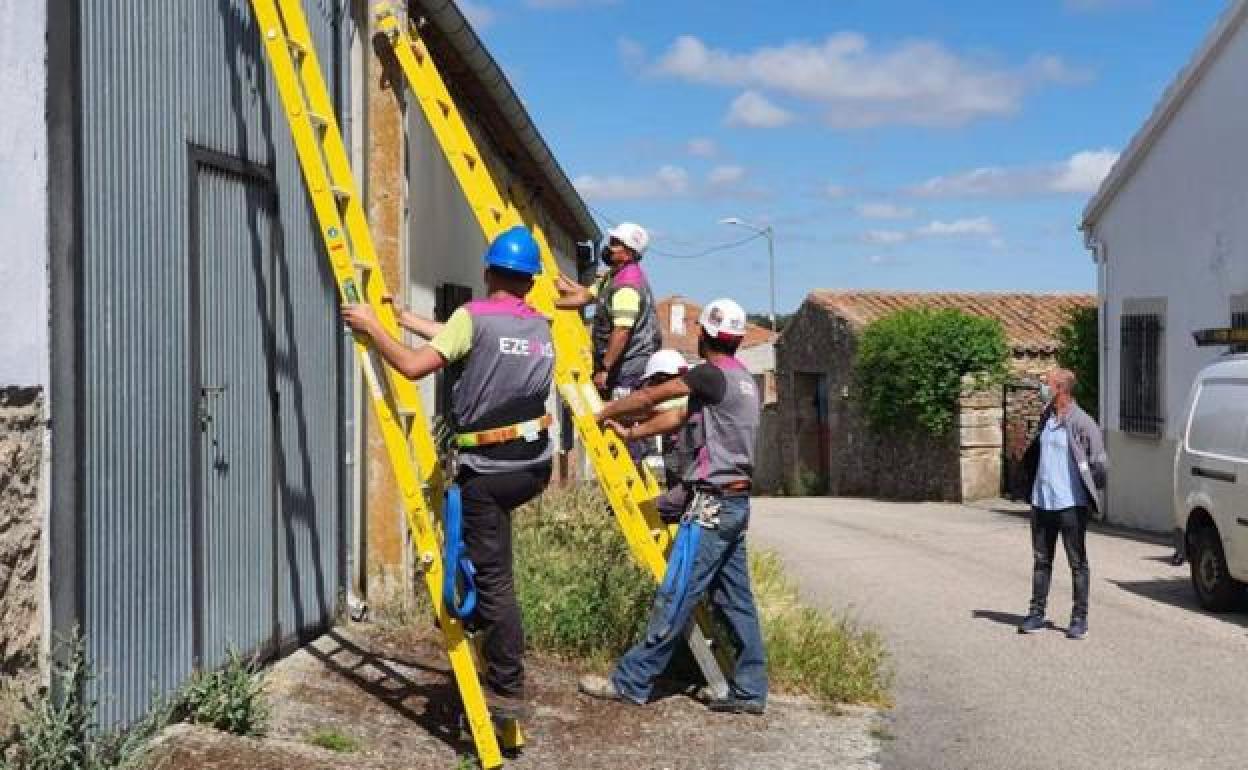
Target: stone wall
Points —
{"points": [[22, 427], [979, 439]]}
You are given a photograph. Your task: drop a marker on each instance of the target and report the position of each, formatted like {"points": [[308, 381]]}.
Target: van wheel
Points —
{"points": [[1215, 588]]}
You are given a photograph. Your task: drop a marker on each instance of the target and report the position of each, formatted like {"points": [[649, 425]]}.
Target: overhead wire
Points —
{"points": [[694, 255]]}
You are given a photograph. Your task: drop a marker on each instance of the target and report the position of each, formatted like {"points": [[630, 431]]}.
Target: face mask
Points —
{"points": [[1046, 393], [605, 254]]}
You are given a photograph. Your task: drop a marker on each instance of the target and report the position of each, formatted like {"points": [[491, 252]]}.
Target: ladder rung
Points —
{"points": [[342, 194], [318, 121], [297, 49], [363, 267]]}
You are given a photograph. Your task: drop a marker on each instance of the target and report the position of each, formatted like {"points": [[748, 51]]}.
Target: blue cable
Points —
{"points": [[457, 568], [676, 579]]}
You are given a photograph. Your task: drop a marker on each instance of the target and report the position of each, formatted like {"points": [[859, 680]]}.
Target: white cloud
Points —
{"points": [[478, 15], [1081, 173], [974, 227], [754, 110], [855, 86], [701, 147], [725, 175], [665, 182], [885, 237], [958, 227], [882, 210]]}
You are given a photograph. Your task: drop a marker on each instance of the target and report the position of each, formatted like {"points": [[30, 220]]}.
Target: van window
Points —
{"points": [[1219, 423]]}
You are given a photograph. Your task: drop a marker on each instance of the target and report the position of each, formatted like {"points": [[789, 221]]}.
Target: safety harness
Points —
{"points": [[459, 577], [529, 430]]}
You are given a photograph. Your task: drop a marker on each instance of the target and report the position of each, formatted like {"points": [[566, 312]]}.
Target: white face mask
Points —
{"points": [[1046, 393]]}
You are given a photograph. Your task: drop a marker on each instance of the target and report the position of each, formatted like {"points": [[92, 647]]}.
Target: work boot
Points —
{"points": [[504, 707], [734, 705], [1078, 628], [598, 687], [1032, 623]]}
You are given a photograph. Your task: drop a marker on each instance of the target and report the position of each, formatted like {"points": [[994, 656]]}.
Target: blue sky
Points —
{"points": [[892, 144]]}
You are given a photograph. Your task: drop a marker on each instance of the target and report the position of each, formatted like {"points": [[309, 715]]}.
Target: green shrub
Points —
{"points": [[60, 732], [910, 365], [582, 594], [1077, 351], [231, 699]]}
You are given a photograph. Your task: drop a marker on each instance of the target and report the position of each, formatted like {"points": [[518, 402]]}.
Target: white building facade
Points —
{"points": [[1169, 232]]}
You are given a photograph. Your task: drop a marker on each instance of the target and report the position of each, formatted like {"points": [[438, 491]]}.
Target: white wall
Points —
{"points": [[1178, 229], [23, 194]]}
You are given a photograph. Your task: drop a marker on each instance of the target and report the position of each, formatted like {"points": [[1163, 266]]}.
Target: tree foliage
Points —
{"points": [[910, 365], [1077, 351]]}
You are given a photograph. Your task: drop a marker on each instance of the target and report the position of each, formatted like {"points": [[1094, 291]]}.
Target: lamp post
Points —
{"points": [[769, 234]]}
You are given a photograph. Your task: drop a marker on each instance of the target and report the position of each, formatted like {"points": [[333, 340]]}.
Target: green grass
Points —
{"points": [[585, 599], [334, 741]]}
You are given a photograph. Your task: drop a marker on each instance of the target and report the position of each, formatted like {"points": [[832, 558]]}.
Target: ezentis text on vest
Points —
{"points": [[513, 346]]}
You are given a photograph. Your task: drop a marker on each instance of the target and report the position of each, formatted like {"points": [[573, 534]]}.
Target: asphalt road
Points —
{"points": [[1157, 684]]}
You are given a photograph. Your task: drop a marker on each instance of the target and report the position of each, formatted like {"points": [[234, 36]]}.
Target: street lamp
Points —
{"points": [[770, 234]]}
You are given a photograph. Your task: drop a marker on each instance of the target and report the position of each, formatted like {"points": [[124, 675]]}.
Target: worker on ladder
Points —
{"points": [[625, 326], [709, 558], [498, 407]]}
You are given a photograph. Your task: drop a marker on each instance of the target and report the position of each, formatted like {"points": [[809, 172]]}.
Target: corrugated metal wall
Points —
{"points": [[158, 77]]}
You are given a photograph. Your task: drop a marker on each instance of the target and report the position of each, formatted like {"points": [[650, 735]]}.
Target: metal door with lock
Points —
{"points": [[232, 209]]}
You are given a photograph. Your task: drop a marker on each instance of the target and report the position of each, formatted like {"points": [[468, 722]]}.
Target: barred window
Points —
{"points": [[1140, 404]]}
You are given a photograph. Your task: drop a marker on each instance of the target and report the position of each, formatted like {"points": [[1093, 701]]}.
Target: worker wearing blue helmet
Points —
{"points": [[498, 408]]}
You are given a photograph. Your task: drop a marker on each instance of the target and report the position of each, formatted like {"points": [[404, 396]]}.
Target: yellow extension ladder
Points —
{"points": [[404, 428], [630, 492]]}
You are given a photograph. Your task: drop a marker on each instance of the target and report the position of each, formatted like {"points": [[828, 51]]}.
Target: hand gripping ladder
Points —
{"points": [[631, 493], [348, 244]]}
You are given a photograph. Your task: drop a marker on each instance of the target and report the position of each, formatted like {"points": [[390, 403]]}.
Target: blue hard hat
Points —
{"points": [[515, 250]]}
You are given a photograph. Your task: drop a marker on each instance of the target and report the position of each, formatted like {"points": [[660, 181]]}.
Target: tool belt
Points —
{"points": [[731, 489], [529, 430]]}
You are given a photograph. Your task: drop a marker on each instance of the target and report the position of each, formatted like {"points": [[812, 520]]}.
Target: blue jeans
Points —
{"points": [[720, 569]]}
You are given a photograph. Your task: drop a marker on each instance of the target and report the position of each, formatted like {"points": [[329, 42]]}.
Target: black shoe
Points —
{"points": [[731, 705], [1032, 623], [1078, 629]]}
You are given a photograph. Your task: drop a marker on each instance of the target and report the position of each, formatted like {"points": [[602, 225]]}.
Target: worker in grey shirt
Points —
{"points": [[1066, 461]]}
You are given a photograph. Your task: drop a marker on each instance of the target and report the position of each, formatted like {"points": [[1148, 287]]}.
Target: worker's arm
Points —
{"points": [[660, 424], [616, 345], [572, 295], [411, 363], [644, 400]]}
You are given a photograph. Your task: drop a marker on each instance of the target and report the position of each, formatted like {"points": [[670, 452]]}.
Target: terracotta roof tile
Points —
{"points": [[1030, 321], [687, 341]]}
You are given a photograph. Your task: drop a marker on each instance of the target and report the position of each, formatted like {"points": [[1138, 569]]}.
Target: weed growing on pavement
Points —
{"points": [[334, 741], [231, 698], [810, 652]]}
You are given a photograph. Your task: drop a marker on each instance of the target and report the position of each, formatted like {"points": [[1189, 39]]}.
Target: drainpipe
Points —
{"points": [[1097, 247]]}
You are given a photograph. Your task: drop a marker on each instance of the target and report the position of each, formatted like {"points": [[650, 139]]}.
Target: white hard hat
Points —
{"points": [[631, 235], [665, 361], [723, 319]]}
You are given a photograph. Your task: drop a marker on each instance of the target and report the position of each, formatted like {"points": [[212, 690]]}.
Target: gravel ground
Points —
{"points": [[391, 693]]}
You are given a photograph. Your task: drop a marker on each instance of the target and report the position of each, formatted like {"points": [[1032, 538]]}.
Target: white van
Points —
{"points": [[1211, 483]]}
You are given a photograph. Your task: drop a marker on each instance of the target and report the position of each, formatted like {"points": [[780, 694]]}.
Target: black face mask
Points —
{"points": [[605, 254]]}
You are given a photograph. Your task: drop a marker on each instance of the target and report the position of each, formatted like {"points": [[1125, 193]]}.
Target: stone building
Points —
{"points": [[824, 443]]}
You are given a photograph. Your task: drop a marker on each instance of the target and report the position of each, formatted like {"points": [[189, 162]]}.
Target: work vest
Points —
{"points": [[644, 339], [720, 437], [505, 380]]}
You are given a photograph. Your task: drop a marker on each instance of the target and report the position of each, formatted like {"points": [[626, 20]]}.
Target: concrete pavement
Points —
{"points": [[1158, 683]]}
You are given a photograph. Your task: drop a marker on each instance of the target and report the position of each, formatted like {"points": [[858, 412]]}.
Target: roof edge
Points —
{"points": [[1171, 102]]}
